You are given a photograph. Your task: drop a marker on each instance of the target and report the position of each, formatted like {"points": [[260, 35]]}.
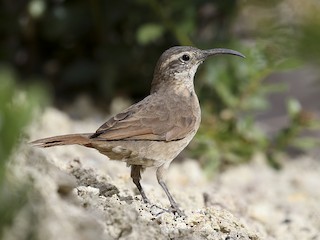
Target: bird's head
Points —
{"points": [[179, 64]]}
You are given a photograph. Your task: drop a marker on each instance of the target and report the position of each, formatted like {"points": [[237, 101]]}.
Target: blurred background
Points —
{"points": [[95, 57]]}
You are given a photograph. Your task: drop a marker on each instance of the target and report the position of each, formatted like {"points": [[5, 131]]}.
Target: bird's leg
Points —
{"points": [[174, 206], [136, 177]]}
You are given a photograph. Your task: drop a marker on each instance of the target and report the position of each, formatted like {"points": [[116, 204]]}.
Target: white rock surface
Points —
{"points": [[76, 193]]}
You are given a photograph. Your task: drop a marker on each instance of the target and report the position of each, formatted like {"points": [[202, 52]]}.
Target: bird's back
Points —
{"points": [[169, 122]]}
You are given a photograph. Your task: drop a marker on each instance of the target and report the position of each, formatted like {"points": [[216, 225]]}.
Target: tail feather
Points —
{"points": [[70, 139]]}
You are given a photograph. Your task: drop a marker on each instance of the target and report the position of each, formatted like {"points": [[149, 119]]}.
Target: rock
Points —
{"points": [[77, 193]]}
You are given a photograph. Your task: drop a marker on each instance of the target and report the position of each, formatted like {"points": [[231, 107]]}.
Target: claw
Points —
{"points": [[177, 211]]}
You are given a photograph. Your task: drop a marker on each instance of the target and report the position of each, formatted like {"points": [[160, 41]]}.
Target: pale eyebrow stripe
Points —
{"points": [[164, 64]]}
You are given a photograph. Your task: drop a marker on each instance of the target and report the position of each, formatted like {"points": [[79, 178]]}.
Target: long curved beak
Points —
{"points": [[216, 51]]}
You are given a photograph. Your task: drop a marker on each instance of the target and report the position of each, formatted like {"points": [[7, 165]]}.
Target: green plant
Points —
{"points": [[84, 47], [16, 110]]}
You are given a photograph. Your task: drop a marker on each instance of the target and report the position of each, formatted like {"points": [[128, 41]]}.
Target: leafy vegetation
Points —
{"points": [[16, 110], [106, 49]]}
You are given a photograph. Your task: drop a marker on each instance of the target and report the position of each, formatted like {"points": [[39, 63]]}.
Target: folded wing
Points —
{"points": [[148, 120]]}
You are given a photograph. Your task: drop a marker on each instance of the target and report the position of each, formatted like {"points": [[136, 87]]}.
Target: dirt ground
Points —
{"points": [[77, 193]]}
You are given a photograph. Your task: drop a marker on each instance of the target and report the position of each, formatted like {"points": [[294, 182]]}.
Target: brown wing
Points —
{"points": [[149, 119]]}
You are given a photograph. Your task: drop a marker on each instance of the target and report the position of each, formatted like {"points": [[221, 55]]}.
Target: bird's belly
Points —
{"points": [[144, 153]]}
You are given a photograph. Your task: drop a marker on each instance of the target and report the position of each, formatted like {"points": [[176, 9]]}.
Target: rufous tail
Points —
{"points": [[70, 139]]}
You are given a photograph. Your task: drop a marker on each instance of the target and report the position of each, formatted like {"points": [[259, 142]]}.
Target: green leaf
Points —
{"points": [[149, 32], [306, 143], [294, 107]]}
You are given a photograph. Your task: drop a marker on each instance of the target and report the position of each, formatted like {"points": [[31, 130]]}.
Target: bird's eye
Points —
{"points": [[185, 57]]}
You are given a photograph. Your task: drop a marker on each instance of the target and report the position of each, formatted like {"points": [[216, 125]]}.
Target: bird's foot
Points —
{"points": [[177, 211], [157, 210]]}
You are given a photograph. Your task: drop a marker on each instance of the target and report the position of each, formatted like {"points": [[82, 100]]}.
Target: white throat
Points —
{"points": [[187, 77]]}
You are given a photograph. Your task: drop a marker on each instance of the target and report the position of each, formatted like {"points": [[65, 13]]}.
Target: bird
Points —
{"points": [[153, 131]]}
